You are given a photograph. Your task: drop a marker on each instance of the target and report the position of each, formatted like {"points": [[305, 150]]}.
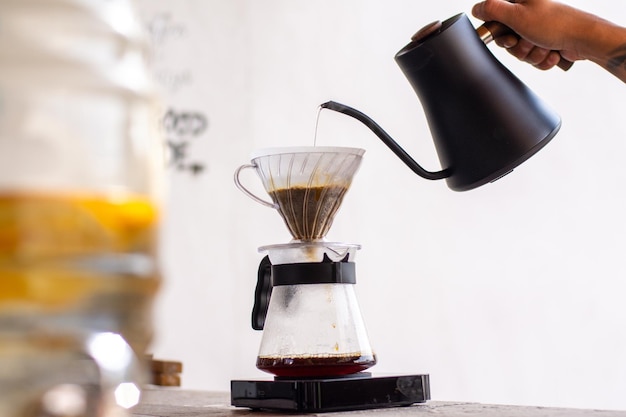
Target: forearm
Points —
{"points": [[605, 44], [581, 35]]}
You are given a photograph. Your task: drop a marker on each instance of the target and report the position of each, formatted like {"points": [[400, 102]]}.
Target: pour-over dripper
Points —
{"points": [[306, 184]]}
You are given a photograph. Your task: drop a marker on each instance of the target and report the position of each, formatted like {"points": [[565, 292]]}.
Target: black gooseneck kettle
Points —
{"points": [[484, 120]]}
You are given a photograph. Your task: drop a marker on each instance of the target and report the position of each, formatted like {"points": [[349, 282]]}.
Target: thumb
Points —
{"points": [[498, 10]]}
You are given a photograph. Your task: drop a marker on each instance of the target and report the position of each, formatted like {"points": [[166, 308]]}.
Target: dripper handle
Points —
{"points": [[249, 193]]}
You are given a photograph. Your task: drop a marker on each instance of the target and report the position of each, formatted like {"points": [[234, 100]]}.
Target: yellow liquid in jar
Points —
{"points": [[78, 260]]}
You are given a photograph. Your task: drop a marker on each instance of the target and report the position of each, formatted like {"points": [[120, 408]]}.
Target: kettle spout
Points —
{"points": [[387, 140]]}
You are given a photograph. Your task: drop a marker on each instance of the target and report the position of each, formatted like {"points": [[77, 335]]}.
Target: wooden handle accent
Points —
{"points": [[490, 30]]}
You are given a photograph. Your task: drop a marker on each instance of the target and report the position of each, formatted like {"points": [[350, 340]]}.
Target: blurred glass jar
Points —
{"points": [[80, 183]]}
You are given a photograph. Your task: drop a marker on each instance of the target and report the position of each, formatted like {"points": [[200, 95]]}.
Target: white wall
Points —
{"points": [[511, 293]]}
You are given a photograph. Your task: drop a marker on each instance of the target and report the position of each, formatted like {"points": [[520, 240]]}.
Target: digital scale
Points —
{"points": [[354, 392]]}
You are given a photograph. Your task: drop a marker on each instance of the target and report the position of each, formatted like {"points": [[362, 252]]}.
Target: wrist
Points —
{"points": [[599, 40]]}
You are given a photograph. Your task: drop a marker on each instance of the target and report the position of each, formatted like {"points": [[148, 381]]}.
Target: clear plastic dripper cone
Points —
{"points": [[308, 185]]}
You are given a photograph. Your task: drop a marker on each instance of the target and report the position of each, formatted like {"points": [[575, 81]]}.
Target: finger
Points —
{"points": [[521, 49], [537, 55], [498, 10], [550, 61], [478, 11], [506, 41]]}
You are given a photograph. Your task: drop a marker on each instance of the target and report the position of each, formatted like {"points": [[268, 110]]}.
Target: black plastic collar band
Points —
{"points": [[314, 273]]}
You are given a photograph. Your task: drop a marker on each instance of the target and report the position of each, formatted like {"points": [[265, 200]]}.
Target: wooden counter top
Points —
{"points": [[176, 402]]}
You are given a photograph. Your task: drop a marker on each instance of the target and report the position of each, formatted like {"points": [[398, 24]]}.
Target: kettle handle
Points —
{"points": [[387, 140], [490, 30]]}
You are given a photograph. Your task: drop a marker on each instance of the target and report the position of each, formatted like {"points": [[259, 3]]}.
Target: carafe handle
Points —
{"points": [[262, 294], [249, 193]]}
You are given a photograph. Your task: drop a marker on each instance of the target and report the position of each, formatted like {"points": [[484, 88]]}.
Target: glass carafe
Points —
{"points": [[313, 326]]}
